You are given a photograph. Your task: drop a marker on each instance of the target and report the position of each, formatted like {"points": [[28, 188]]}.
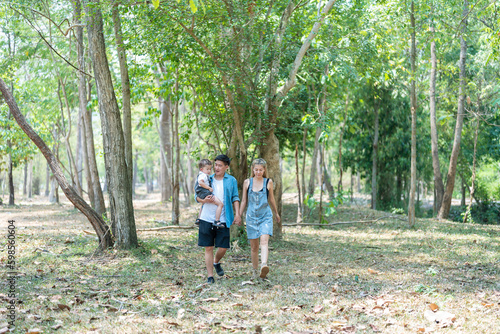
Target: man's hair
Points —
{"points": [[203, 163], [224, 158]]}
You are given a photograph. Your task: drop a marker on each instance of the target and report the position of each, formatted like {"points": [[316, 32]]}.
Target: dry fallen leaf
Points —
{"points": [[338, 323], [63, 307], [440, 317], [55, 298], [247, 282], [173, 323], [206, 309], [154, 251], [318, 308], [56, 327], [373, 272], [434, 307], [34, 331]]}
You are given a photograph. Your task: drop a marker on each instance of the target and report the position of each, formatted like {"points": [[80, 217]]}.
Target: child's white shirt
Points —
{"points": [[204, 177]]}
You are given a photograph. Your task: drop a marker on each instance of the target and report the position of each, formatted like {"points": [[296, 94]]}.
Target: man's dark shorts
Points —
{"points": [[207, 236]]}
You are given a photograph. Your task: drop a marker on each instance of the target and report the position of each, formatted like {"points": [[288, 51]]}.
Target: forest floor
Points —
{"points": [[378, 277]]}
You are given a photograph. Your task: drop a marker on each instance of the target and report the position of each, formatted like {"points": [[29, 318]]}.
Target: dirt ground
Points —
{"points": [[375, 277]]}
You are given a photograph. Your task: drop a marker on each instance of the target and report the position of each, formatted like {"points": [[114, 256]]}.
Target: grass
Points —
{"points": [[361, 278]]}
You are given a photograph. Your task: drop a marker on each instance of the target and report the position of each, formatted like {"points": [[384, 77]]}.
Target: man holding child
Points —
{"points": [[225, 188]]}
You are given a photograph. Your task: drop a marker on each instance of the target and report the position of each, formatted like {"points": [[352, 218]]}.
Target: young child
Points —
{"points": [[258, 192], [203, 188]]}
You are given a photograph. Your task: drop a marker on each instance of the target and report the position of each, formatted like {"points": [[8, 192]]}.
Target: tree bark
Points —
{"points": [[325, 176], [29, 182], [452, 169], [25, 180], [134, 179], [98, 224], [297, 182], [438, 179], [303, 170], [177, 166], [476, 133], [375, 155], [164, 130], [340, 142], [47, 181], [127, 110], [314, 162], [98, 204], [120, 189], [413, 102]]}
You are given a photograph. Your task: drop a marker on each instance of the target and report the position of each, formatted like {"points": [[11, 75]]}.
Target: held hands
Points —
{"points": [[211, 189], [278, 218], [237, 220]]}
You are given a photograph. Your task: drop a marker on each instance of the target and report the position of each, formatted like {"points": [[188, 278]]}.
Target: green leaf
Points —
{"points": [[156, 3]]}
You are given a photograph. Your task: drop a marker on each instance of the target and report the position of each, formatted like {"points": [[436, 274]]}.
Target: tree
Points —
{"points": [[98, 224], [120, 186], [413, 99], [452, 169]]}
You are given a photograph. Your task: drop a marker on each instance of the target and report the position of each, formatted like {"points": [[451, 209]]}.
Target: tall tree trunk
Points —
{"points": [[375, 156], [340, 141], [413, 102], [176, 166], [25, 180], [47, 181], [95, 183], [322, 173], [120, 189], [452, 169], [11, 178], [79, 149], [462, 190], [134, 179], [98, 224], [325, 175], [438, 179], [54, 190], [297, 182], [303, 170], [270, 152], [29, 183], [473, 181], [314, 162], [165, 128], [127, 110]]}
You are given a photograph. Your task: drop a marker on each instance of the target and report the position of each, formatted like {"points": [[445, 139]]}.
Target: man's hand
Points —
{"points": [[237, 220], [208, 199]]}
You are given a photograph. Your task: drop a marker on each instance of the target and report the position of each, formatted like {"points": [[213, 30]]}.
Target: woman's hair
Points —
{"points": [[260, 162]]}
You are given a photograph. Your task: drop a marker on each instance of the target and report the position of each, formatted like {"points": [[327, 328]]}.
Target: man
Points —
{"points": [[226, 189]]}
